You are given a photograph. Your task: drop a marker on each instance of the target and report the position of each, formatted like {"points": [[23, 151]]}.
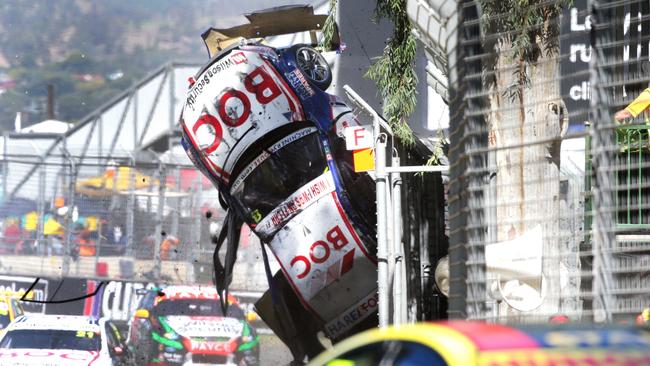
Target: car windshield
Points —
{"points": [[195, 307], [278, 172], [52, 339]]}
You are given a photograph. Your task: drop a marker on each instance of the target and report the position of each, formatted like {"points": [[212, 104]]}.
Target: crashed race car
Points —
{"points": [[258, 123]]}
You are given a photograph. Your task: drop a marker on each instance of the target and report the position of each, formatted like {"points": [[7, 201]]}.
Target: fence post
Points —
{"points": [[98, 245], [5, 166], [177, 207], [196, 233], [41, 247], [159, 219], [399, 293], [69, 222], [130, 207]]}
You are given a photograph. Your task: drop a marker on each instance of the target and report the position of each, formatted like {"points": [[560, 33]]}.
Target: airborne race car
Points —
{"points": [[258, 123]]}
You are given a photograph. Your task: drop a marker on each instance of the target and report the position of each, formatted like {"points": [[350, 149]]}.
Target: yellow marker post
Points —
{"points": [[364, 160]]}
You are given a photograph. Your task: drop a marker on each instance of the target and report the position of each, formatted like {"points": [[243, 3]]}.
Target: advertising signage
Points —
{"points": [[626, 53]]}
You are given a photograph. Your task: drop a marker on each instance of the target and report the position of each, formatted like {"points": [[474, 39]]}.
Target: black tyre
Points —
{"points": [[313, 66]]}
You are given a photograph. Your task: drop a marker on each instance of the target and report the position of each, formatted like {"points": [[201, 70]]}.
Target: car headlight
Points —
{"points": [[171, 335], [247, 338]]}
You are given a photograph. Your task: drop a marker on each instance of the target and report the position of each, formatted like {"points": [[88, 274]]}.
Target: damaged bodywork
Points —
{"points": [[258, 123]]}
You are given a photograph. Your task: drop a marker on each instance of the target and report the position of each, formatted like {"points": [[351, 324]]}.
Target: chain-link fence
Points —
{"points": [[100, 217], [120, 218], [549, 192], [115, 196]]}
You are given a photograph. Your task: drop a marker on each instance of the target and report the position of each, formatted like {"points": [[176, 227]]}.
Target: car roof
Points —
{"points": [[61, 322], [466, 341]]}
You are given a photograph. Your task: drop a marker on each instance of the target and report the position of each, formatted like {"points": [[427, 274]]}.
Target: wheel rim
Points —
{"points": [[312, 64]]}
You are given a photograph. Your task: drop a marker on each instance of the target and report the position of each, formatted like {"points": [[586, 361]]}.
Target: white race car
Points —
{"points": [[65, 340]]}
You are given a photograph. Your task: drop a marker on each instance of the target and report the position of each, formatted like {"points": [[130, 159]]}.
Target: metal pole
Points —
{"points": [[399, 295], [6, 166], [130, 207], [100, 145], [177, 204], [381, 172], [390, 252], [382, 243], [98, 245], [41, 248], [195, 245], [68, 216], [159, 220], [380, 176]]}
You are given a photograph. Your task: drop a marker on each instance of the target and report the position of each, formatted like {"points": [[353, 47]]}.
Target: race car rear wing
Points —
{"points": [[270, 22]]}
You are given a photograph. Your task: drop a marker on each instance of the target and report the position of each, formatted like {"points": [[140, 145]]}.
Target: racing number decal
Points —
{"points": [[85, 334], [320, 251], [234, 106]]}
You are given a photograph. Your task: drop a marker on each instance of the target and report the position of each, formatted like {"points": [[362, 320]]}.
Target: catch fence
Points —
{"points": [[146, 219], [549, 191]]}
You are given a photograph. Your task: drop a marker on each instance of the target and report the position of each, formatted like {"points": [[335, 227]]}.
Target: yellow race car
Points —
{"points": [[459, 343]]}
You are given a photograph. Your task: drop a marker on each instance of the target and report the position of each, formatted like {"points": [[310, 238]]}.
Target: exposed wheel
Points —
{"points": [[314, 67]]}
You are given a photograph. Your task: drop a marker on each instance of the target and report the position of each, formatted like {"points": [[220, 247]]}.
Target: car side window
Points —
{"points": [[390, 353], [111, 340], [18, 310], [147, 301]]}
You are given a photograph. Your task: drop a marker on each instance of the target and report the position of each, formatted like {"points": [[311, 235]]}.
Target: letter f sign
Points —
{"points": [[357, 138]]}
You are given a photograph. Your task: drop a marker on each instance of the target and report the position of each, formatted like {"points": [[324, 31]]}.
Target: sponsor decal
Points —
{"points": [[316, 249], [213, 131], [298, 201], [319, 252], [19, 285], [352, 316], [200, 84], [300, 84], [120, 299], [173, 357], [239, 58], [216, 348], [205, 326], [182, 293], [234, 108]]}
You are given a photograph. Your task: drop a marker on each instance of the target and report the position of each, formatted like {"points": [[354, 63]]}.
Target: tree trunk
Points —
{"points": [[526, 111]]}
